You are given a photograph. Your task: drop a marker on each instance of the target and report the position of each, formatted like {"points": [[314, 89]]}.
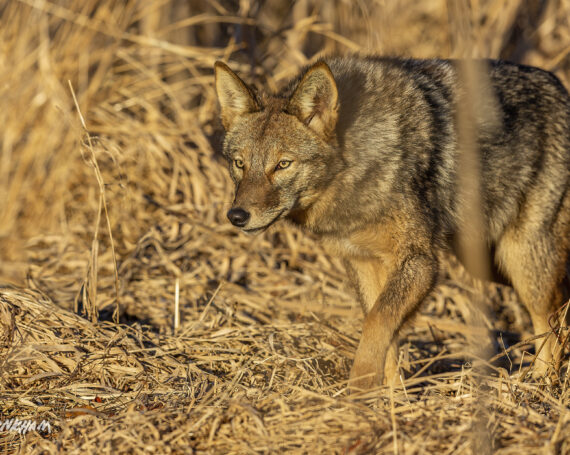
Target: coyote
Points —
{"points": [[364, 152]]}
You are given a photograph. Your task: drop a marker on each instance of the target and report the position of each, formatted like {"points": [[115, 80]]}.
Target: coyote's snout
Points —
{"points": [[363, 152], [238, 216]]}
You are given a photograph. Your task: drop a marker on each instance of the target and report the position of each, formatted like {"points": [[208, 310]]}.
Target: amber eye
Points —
{"points": [[239, 164], [283, 164]]}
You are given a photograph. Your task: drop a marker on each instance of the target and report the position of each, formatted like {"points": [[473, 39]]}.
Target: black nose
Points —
{"points": [[238, 217]]}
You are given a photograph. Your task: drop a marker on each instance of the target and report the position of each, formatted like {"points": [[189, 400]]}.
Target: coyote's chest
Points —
{"points": [[373, 242]]}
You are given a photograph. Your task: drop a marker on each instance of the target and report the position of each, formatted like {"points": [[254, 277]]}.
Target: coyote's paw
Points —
{"points": [[363, 377]]}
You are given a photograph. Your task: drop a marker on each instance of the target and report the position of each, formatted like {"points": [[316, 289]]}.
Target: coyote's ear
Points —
{"points": [[315, 100], [235, 97]]}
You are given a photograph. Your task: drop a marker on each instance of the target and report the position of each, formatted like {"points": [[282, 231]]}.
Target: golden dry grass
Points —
{"points": [[127, 212]]}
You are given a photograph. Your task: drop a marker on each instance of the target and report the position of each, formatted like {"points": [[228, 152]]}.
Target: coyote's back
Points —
{"points": [[365, 152]]}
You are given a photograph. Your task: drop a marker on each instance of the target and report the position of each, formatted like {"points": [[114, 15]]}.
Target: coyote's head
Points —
{"points": [[279, 148]]}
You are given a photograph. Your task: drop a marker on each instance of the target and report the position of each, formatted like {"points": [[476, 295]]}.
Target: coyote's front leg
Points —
{"points": [[404, 289]]}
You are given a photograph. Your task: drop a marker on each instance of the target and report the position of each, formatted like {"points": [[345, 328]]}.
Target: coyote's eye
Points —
{"points": [[283, 164], [238, 163]]}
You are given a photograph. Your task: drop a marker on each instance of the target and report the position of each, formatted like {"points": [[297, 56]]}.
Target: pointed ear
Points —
{"points": [[315, 100], [235, 97]]}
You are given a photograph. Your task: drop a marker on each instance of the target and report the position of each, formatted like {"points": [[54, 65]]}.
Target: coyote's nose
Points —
{"points": [[238, 217]]}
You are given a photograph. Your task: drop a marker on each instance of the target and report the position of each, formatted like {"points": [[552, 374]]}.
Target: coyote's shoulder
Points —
{"points": [[366, 152]]}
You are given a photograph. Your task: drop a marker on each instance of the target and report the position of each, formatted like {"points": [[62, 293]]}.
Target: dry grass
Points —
{"points": [[129, 214]]}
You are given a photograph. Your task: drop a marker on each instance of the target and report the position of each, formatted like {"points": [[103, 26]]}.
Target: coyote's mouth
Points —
{"points": [[263, 228]]}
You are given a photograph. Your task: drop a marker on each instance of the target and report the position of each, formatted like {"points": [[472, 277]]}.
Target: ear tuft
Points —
{"points": [[235, 97], [315, 100]]}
